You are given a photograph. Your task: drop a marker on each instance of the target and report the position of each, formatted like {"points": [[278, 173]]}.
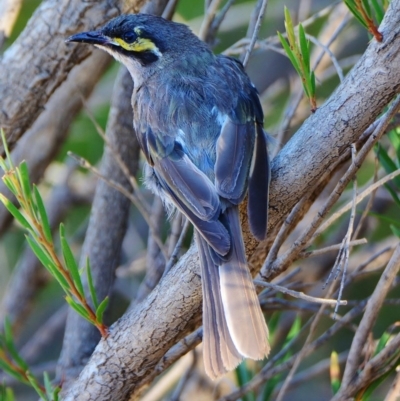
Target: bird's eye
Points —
{"points": [[129, 37]]}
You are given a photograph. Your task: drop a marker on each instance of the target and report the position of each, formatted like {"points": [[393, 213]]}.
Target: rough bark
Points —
{"points": [[142, 336]]}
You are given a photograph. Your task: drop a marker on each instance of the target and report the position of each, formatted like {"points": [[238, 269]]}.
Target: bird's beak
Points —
{"points": [[91, 37]]}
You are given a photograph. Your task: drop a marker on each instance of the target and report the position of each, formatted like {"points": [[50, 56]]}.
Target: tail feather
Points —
{"points": [[219, 352], [245, 320]]}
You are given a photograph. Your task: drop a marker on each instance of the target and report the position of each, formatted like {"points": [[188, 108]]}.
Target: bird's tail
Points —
{"points": [[219, 352], [245, 320], [233, 324]]}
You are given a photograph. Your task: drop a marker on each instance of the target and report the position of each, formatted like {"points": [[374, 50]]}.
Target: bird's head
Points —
{"points": [[141, 41]]}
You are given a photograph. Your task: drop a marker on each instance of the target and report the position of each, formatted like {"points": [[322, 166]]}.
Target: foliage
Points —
{"points": [[33, 218]]}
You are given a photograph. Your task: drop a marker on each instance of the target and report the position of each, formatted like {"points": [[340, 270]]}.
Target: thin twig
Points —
{"points": [[344, 252], [175, 254], [299, 295], [360, 197], [329, 53], [268, 371], [132, 196], [373, 307], [255, 32], [318, 252], [209, 16], [369, 204], [305, 238]]}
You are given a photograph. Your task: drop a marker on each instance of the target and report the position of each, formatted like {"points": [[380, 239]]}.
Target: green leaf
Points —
{"points": [[41, 254], [335, 372], [100, 310], [6, 394], [78, 308], [7, 152], [50, 389], [395, 230], [387, 163], [367, 8], [304, 48], [312, 83], [9, 183], [289, 27], [35, 384], [394, 137], [355, 12], [70, 261], [23, 175], [243, 376], [11, 348], [43, 215], [289, 53], [378, 10], [15, 212], [382, 217], [91, 286], [10, 371], [294, 330], [393, 193]]}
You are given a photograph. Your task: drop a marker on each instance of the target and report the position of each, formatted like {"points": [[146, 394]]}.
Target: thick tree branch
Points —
{"points": [[138, 341]]}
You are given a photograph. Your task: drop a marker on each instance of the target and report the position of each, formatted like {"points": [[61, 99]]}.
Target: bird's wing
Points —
{"points": [[242, 164], [191, 191], [259, 178], [234, 153]]}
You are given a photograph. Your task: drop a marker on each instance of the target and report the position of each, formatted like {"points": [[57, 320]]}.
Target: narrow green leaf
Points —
{"points": [[289, 27], [289, 53], [11, 348], [9, 183], [394, 221], [91, 285], [294, 330], [23, 175], [4, 167], [9, 395], [393, 193], [394, 139], [388, 164], [41, 254], [385, 337], [78, 308], [304, 48], [243, 376], [43, 215], [335, 372], [356, 13], [70, 261], [378, 10], [100, 310], [35, 384], [395, 230], [48, 386], [367, 8], [10, 371], [15, 212], [312, 80], [7, 152]]}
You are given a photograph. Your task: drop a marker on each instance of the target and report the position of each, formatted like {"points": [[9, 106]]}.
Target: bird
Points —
{"points": [[199, 123]]}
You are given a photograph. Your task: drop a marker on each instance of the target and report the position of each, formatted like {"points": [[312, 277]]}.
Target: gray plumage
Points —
{"points": [[199, 123]]}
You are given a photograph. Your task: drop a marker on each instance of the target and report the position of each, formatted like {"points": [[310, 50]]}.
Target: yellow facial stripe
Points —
{"points": [[139, 45]]}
